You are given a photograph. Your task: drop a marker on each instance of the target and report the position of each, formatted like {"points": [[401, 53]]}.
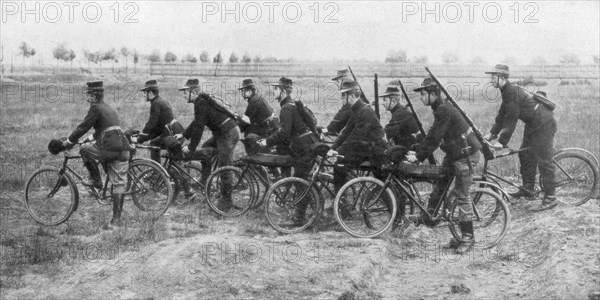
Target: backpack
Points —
{"points": [[221, 106], [308, 117]]}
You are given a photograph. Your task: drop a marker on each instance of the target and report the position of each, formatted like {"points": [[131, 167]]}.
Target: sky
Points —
{"points": [[310, 30]]}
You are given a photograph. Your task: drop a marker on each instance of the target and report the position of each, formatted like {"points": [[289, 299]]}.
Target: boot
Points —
{"points": [[549, 202], [95, 180], [297, 219], [468, 237], [526, 191], [225, 204], [117, 209]]}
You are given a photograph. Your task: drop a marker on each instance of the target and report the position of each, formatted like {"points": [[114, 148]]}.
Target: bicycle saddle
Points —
{"points": [[320, 149], [270, 160]]}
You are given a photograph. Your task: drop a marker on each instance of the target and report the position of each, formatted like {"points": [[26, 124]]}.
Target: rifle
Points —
{"points": [[376, 101], [431, 158], [362, 94], [487, 152]]}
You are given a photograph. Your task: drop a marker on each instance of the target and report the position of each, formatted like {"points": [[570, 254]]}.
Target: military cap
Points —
{"points": [[348, 86], [284, 82], [150, 84], [428, 84], [499, 69], [391, 91], [190, 84], [247, 83], [340, 74], [94, 86]]}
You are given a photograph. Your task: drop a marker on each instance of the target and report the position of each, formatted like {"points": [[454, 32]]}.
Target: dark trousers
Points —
{"points": [[225, 144], [539, 138]]}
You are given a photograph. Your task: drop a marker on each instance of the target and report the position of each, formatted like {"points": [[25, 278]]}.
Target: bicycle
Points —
{"points": [[576, 176], [51, 194], [366, 207]]}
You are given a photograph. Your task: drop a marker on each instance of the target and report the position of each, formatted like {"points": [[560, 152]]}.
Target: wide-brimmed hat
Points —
{"points": [[284, 82], [246, 83], [94, 86], [150, 84], [499, 69], [190, 84], [348, 86], [340, 74], [427, 84], [391, 91]]}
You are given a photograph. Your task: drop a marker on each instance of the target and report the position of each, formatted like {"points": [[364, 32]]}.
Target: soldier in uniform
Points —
{"points": [[111, 146], [343, 115], [225, 130], [363, 138], [297, 134], [540, 128], [258, 119], [461, 147], [402, 127]]}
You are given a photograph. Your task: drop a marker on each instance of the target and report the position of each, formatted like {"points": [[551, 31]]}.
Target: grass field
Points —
{"points": [[169, 259]]}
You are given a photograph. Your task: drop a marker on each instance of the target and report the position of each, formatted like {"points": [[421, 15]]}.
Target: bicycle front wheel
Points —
{"points": [[292, 205], [491, 218], [576, 178], [149, 187], [51, 198], [363, 208], [230, 191]]}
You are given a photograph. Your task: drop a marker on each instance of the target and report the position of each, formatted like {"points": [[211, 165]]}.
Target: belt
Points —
{"points": [[269, 118], [536, 106], [111, 128], [224, 122], [172, 122], [304, 134]]}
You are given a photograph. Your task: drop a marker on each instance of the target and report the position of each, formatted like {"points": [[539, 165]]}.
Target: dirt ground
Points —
{"points": [[192, 254]]}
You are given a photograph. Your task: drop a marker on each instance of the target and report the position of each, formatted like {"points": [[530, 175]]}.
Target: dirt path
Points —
{"points": [[552, 254]]}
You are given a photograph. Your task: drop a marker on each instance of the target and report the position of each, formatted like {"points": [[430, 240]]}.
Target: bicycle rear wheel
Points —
{"points": [[51, 198], [149, 187], [240, 191], [283, 200], [576, 178], [491, 218], [363, 208]]}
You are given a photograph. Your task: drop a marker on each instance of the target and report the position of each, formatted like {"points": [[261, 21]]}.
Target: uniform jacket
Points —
{"points": [[448, 125], [363, 132], [205, 114], [259, 112], [292, 128], [161, 114], [100, 116], [401, 127], [340, 119], [517, 104]]}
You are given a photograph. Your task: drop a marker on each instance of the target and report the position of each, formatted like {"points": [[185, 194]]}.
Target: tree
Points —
{"points": [[60, 52], [596, 59], [246, 58], [233, 58], [125, 53], [70, 57], [112, 56], [570, 59], [449, 57], [419, 60], [396, 56], [218, 58], [25, 51], [477, 60], [190, 58], [90, 56], [257, 59], [170, 57], [204, 57], [539, 60], [154, 56], [136, 59], [270, 59]]}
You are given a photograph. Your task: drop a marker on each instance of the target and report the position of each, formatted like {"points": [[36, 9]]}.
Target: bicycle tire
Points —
{"points": [[65, 196], [491, 218], [354, 215], [149, 187], [242, 192], [279, 209], [576, 178], [194, 169]]}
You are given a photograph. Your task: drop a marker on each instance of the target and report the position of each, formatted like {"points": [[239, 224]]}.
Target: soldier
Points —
{"points": [[450, 128], [161, 123], [225, 130], [258, 119], [363, 138], [402, 126], [296, 133], [343, 115], [111, 146], [540, 128]]}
